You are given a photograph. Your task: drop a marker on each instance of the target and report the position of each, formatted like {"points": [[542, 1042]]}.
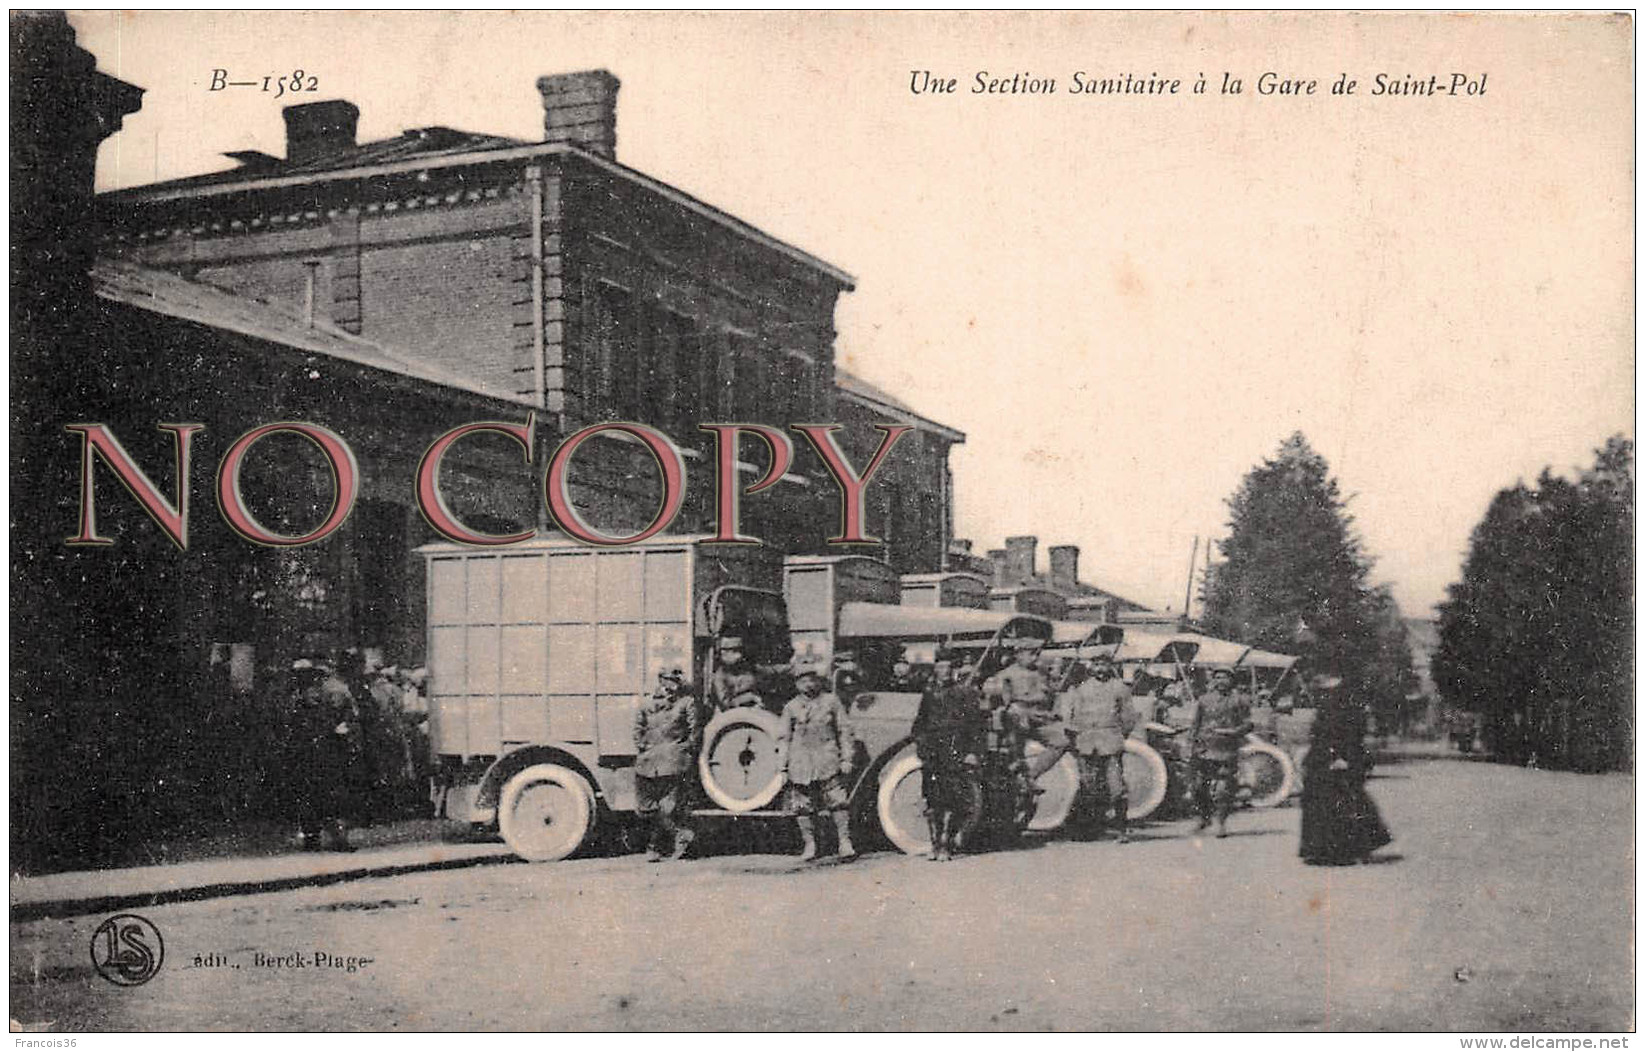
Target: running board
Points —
{"points": [[719, 812]]}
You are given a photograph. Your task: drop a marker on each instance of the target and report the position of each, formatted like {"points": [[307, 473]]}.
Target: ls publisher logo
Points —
{"points": [[127, 950]]}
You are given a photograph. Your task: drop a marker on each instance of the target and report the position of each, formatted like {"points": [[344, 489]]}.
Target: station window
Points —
{"points": [[679, 349], [751, 381], [795, 394], [618, 376]]}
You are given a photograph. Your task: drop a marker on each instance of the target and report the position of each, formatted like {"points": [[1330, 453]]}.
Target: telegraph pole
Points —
{"points": [[1188, 591]]}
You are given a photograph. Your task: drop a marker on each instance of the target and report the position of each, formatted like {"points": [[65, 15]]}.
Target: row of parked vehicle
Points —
{"points": [[540, 653]]}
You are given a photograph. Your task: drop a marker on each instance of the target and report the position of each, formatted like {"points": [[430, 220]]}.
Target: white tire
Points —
{"points": [[1145, 778], [900, 806], [740, 765], [1267, 771], [545, 812], [1061, 785]]}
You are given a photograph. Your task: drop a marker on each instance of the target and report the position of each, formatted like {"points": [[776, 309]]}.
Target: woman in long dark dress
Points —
{"points": [[1340, 823]]}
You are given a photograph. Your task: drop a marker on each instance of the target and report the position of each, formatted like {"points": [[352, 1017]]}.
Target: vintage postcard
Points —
{"points": [[770, 521]]}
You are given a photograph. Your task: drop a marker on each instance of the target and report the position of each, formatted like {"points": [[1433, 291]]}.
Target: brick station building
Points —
{"points": [[390, 291], [555, 279]]}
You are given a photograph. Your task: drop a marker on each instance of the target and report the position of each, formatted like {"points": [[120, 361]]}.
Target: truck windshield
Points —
{"points": [[759, 619]]}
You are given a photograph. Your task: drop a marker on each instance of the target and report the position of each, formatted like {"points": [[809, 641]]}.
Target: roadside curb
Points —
{"points": [[82, 906]]}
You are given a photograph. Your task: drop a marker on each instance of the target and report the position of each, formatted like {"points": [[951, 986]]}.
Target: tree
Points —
{"points": [[1537, 637], [1393, 685], [1294, 576]]}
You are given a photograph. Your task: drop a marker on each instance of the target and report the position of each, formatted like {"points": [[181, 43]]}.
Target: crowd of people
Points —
{"points": [[358, 745], [1036, 710], [340, 740]]}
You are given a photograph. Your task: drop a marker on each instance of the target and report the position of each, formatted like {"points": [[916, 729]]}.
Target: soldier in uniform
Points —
{"points": [[327, 770], [1099, 716], [1051, 668], [948, 732], [735, 684], [665, 742], [817, 747], [1221, 722], [847, 680], [1023, 689], [1265, 717], [905, 678]]}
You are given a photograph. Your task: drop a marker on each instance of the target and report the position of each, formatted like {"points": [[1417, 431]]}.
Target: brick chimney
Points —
{"points": [[1065, 565], [1019, 553], [581, 109], [62, 109], [316, 129], [1001, 567]]}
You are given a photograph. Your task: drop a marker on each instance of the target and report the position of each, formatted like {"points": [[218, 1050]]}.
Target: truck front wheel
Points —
{"points": [[1145, 778], [1058, 787], [901, 806], [545, 812], [1267, 772]]}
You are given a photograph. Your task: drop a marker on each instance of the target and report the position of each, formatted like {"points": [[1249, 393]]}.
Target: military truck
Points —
{"points": [[540, 653]]}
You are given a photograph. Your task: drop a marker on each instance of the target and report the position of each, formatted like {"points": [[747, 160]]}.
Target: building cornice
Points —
{"points": [[475, 158]]}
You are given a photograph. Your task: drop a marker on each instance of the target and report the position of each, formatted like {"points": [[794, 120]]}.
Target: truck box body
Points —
{"points": [[945, 589], [815, 587], [1042, 602], [550, 641]]}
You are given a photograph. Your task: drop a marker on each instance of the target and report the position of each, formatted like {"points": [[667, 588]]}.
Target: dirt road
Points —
{"points": [[1506, 905]]}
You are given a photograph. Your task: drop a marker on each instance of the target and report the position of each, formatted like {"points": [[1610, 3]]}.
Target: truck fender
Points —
{"points": [[508, 765], [865, 793]]}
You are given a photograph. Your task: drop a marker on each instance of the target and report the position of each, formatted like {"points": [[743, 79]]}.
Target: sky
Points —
{"points": [[1127, 301]]}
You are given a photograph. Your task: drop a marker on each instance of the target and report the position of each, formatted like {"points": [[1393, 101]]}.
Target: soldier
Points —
{"points": [[1221, 721], [1099, 716], [1265, 717], [847, 680], [665, 742], [735, 684], [817, 747], [1050, 667], [1023, 689], [905, 678], [947, 733], [329, 740]]}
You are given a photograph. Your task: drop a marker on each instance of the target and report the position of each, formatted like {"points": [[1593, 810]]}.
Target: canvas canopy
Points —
{"points": [[1255, 658], [1209, 650], [1142, 645], [1084, 634], [884, 621]]}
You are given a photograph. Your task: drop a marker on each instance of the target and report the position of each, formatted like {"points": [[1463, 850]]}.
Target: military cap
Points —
{"points": [[731, 642]]}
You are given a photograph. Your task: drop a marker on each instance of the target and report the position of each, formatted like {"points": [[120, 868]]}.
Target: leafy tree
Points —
{"points": [[1392, 682], [1537, 637], [1294, 576]]}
